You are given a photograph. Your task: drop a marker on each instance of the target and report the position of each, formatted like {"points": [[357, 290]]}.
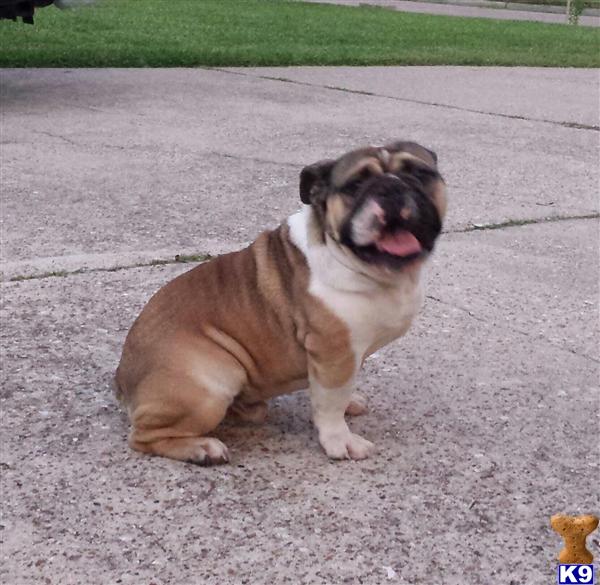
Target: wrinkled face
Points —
{"points": [[384, 205]]}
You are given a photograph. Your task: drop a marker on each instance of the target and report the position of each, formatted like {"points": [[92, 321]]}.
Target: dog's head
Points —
{"points": [[383, 205]]}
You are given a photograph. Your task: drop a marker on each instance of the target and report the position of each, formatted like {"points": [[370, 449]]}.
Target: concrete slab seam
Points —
{"points": [[478, 227], [178, 259], [142, 149], [572, 125], [203, 256]]}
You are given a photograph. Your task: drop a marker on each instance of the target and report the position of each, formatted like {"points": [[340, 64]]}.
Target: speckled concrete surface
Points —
{"points": [[485, 415]]}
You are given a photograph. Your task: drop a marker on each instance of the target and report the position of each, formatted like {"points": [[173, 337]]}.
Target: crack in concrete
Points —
{"points": [[199, 258], [142, 148], [182, 258], [514, 329], [573, 125], [253, 159], [58, 136], [88, 145], [177, 259], [521, 222]]}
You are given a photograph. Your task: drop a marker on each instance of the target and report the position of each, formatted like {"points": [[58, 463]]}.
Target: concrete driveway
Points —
{"points": [[477, 9], [485, 415]]}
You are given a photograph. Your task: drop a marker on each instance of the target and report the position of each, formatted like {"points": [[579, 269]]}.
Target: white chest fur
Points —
{"points": [[375, 312]]}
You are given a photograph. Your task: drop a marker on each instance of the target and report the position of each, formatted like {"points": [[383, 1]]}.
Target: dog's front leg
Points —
{"points": [[328, 407]]}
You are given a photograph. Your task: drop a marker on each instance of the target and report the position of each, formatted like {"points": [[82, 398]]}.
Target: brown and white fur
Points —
{"points": [[302, 306]]}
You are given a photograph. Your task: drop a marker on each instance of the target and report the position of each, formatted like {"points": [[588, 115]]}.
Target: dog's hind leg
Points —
{"points": [[357, 405], [252, 412], [172, 412]]}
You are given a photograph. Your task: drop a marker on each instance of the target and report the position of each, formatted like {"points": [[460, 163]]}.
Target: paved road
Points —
{"points": [[495, 10], [484, 415]]}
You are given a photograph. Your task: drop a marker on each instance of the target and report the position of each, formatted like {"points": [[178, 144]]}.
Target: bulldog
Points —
{"points": [[301, 307]]}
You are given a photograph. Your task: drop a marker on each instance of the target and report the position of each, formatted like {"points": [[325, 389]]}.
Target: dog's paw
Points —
{"points": [[357, 405], [208, 451], [346, 446]]}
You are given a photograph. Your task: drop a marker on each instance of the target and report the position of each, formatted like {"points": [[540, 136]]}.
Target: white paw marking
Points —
{"points": [[346, 446]]}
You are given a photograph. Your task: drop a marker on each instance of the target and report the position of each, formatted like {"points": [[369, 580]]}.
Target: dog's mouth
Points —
{"points": [[392, 250], [391, 231], [402, 244]]}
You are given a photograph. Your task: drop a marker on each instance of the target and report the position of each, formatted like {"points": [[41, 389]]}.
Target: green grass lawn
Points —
{"points": [[187, 33]]}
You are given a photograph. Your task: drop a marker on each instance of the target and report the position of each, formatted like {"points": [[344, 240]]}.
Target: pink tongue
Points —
{"points": [[399, 244]]}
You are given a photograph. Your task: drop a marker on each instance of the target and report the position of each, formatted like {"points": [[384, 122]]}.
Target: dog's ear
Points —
{"points": [[314, 179], [425, 154], [433, 155]]}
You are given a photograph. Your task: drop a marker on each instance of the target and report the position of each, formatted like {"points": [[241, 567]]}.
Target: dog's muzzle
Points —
{"points": [[392, 221]]}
